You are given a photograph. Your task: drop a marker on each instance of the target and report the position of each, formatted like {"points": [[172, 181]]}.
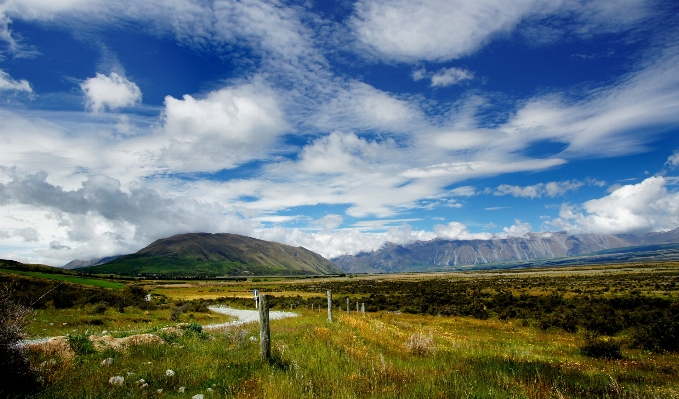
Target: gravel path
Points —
{"points": [[245, 316]]}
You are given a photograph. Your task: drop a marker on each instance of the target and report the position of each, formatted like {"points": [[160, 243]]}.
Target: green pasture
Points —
{"points": [[70, 279]]}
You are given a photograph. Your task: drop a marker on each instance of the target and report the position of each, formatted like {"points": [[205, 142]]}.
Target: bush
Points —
{"points": [[175, 313], [659, 335], [14, 366], [600, 348], [80, 344]]}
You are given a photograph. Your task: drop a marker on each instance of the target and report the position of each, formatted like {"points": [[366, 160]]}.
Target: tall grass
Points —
{"points": [[373, 356]]}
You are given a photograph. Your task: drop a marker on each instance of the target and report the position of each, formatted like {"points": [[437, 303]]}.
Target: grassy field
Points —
{"points": [[378, 356], [68, 278], [502, 334]]}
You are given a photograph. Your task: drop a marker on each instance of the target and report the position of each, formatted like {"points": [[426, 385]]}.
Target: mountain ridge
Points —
{"points": [[441, 253], [211, 255]]}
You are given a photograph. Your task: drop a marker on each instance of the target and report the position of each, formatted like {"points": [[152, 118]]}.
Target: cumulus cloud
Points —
{"points": [[110, 92], [641, 207], [101, 219], [518, 229], [227, 127], [450, 76], [332, 244], [458, 231], [9, 84], [551, 189]]}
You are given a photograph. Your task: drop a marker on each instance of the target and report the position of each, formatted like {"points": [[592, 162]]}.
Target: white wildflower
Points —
{"points": [[182, 389], [107, 362], [169, 373], [199, 396]]}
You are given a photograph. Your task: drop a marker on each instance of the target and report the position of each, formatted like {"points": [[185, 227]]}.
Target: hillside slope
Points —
{"points": [[440, 254], [205, 254]]}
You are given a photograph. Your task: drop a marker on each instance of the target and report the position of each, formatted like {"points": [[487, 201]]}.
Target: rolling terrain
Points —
{"points": [[536, 249], [212, 255]]}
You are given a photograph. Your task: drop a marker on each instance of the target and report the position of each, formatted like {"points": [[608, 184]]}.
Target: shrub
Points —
{"points": [[80, 344], [175, 313], [14, 366], [659, 335], [600, 348]]}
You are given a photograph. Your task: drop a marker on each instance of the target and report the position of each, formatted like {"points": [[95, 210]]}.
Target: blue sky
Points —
{"points": [[334, 125]]}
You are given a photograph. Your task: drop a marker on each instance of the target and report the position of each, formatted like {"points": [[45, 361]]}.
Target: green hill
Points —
{"points": [[212, 255]]}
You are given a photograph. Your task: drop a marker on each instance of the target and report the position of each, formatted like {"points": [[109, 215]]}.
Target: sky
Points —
{"points": [[333, 125]]}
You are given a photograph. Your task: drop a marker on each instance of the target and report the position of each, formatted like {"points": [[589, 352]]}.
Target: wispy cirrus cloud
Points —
{"points": [[9, 84]]}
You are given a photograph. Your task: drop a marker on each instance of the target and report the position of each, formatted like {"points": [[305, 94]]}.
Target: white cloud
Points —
{"points": [[606, 122], [450, 76], [518, 229], [631, 208], [227, 127], [9, 84], [433, 30], [340, 153], [464, 191], [334, 243], [99, 218], [329, 222], [359, 106], [410, 31], [465, 170], [551, 189], [673, 160], [419, 74], [458, 231], [110, 92]]}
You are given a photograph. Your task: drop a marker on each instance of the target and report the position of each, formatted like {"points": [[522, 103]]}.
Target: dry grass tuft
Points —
{"points": [[421, 345]]}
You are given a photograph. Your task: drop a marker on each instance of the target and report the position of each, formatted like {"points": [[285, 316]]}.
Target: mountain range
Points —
{"points": [[532, 249]]}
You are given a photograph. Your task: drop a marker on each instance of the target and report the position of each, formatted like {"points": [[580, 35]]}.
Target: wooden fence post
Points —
{"points": [[363, 308], [264, 332], [356, 307], [329, 306], [347, 306]]}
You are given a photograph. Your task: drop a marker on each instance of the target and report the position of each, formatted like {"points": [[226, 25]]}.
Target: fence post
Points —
{"points": [[264, 332], [363, 308], [329, 306], [347, 306], [356, 307]]}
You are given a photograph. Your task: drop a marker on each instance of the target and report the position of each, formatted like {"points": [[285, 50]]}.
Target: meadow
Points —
{"points": [[481, 335]]}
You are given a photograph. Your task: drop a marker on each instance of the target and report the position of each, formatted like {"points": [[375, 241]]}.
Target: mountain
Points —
{"points": [[440, 254], [211, 255], [78, 263]]}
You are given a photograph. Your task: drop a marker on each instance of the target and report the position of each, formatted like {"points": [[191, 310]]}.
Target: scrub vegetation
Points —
{"points": [[497, 335]]}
